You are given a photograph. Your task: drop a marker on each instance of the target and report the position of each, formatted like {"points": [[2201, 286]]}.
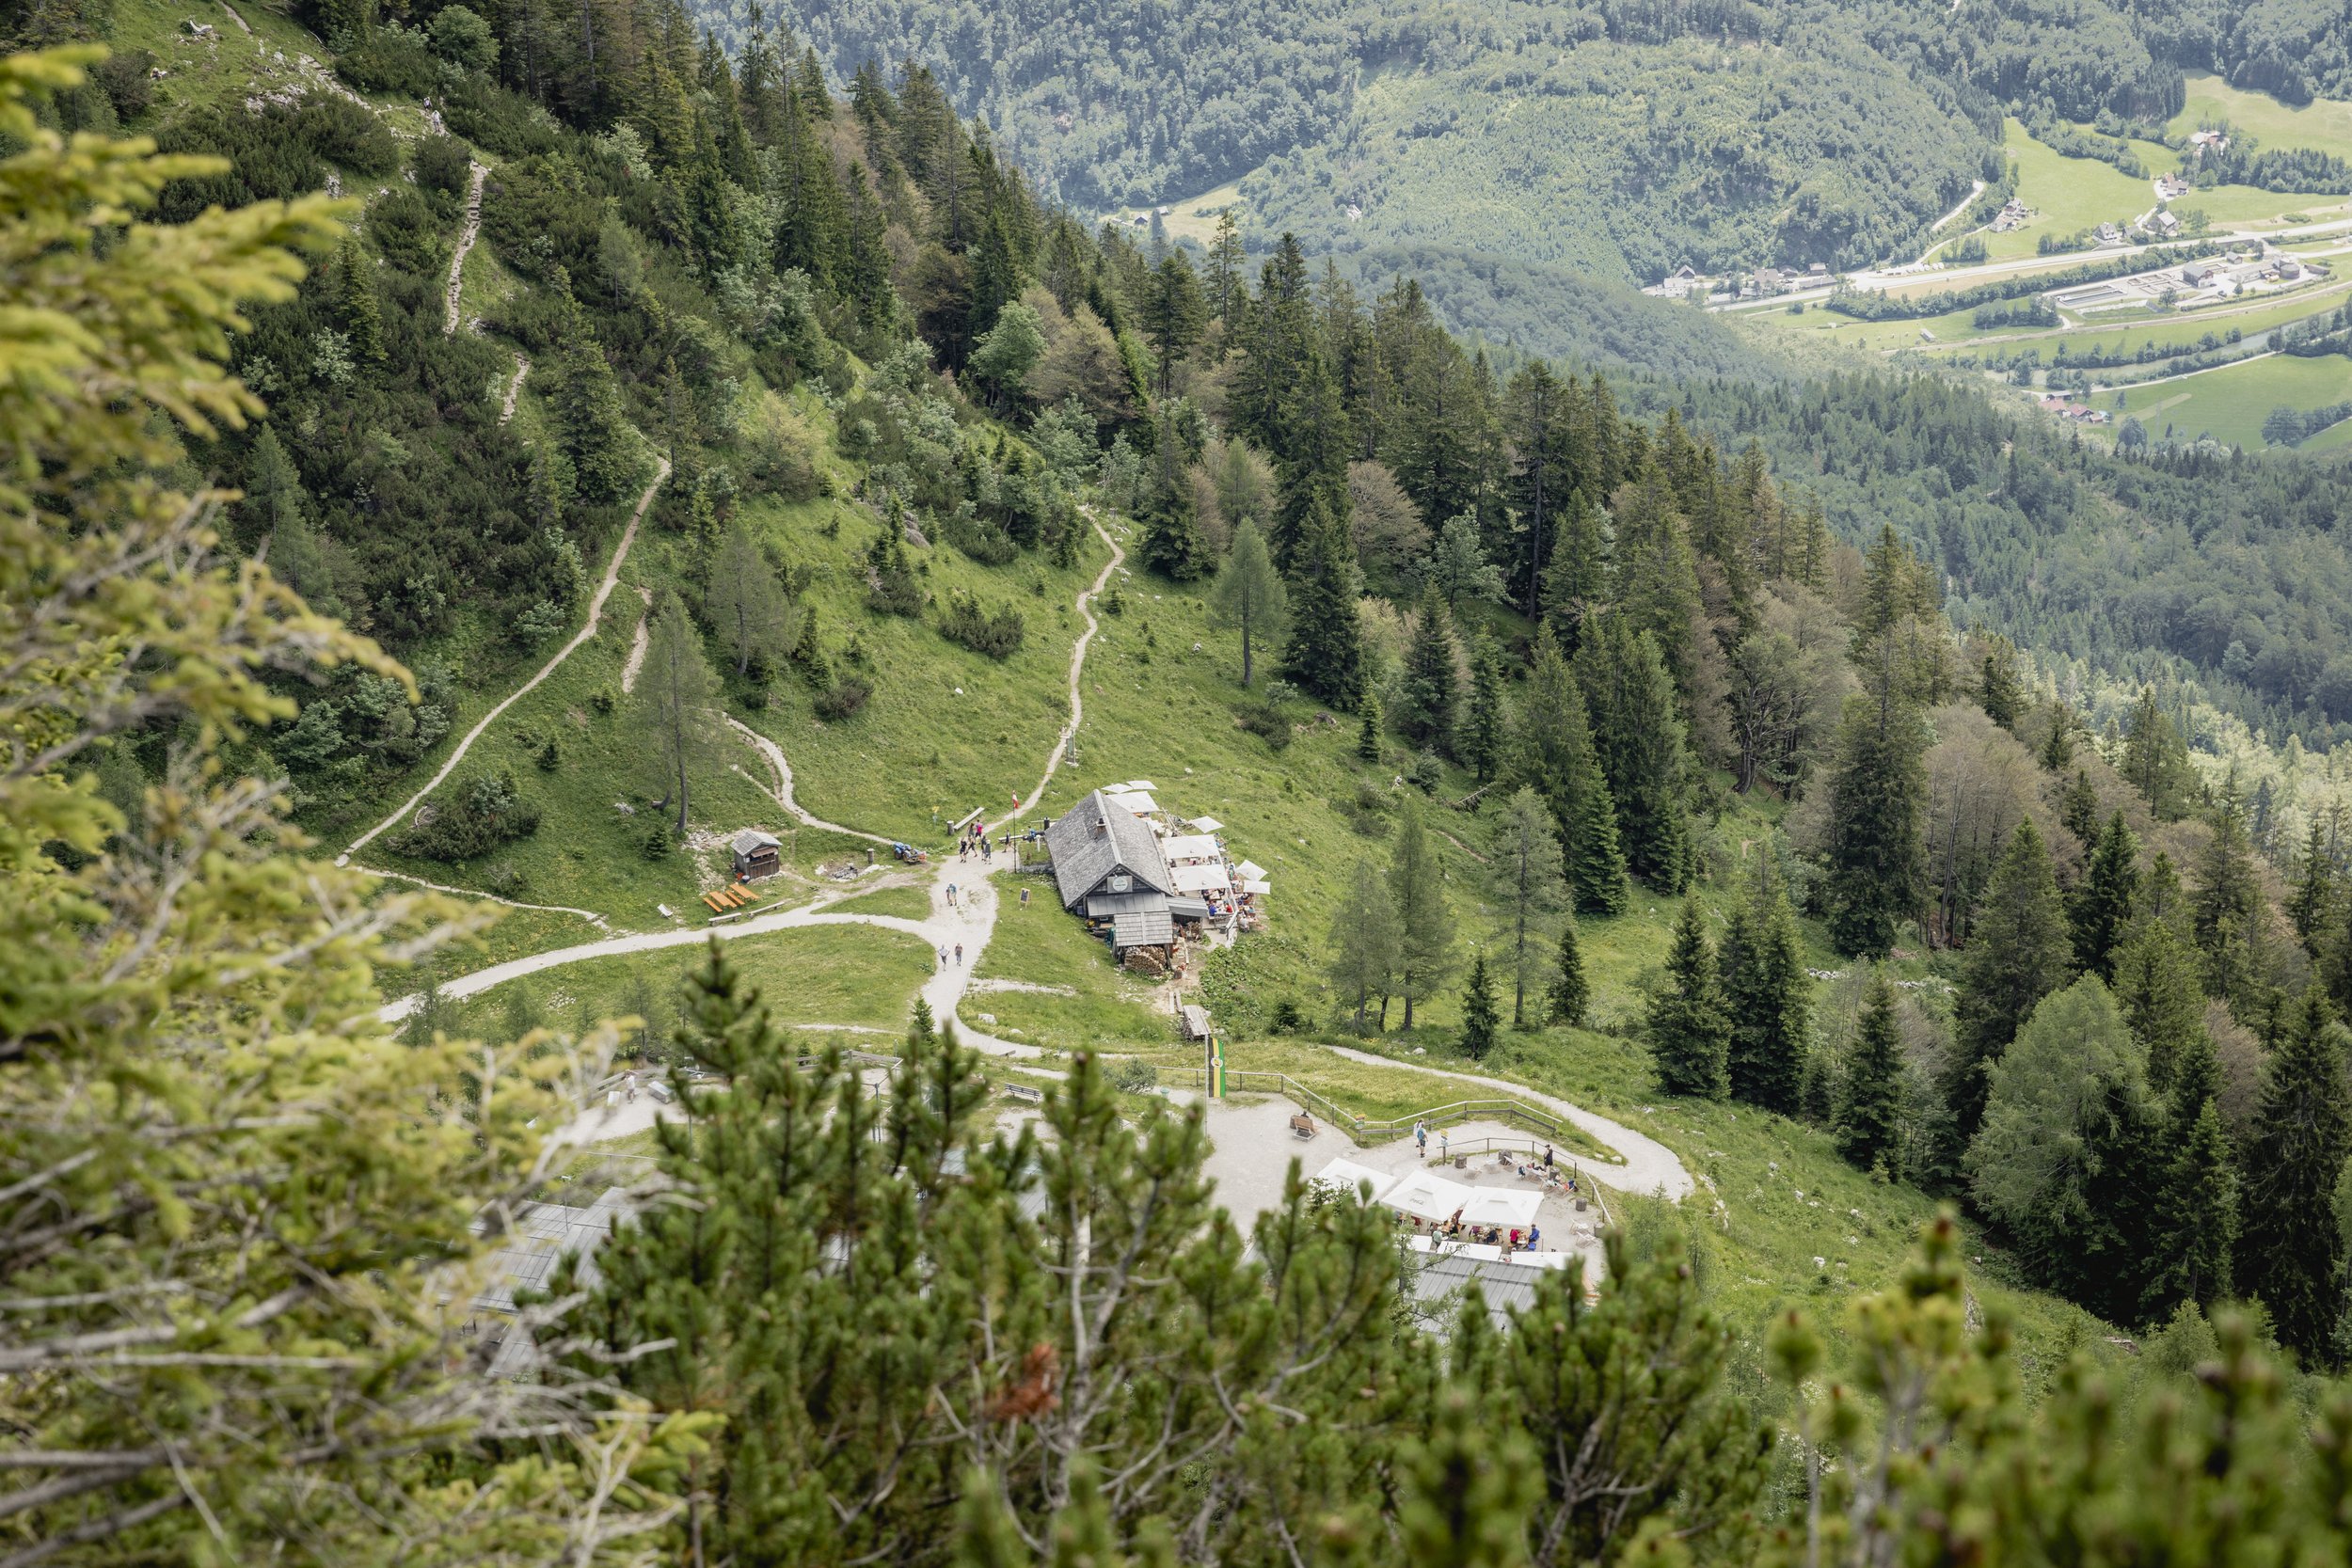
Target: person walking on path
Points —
{"points": [[958, 954], [942, 957], [1547, 1156], [1445, 1148], [1420, 1140], [951, 895]]}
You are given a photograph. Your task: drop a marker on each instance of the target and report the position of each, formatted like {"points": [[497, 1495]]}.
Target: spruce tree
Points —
{"points": [[2155, 759], [2311, 906], [1569, 994], [1325, 654], [355, 303], [1877, 854], [1553, 752], [1479, 1014], [1424, 918], [1425, 706], [2156, 986], [1171, 543], [1575, 580], [1480, 738], [1768, 995], [2201, 1195], [2017, 954], [1657, 573], [2225, 907], [1368, 730], [2078, 809], [2099, 911], [1870, 1094], [1639, 737], [1690, 1039], [2290, 1249], [1997, 688], [2057, 753]]}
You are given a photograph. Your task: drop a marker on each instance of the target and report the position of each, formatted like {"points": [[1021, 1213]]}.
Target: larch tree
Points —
{"points": [[1425, 927], [2290, 1250], [1689, 1037], [1247, 595], [1528, 876], [1366, 944], [677, 702], [755, 617]]}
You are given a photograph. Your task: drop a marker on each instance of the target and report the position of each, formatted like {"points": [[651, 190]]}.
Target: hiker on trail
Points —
{"points": [[942, 957], [958, 953], [1420, 1140], [1547, 1156], [951, 895]]}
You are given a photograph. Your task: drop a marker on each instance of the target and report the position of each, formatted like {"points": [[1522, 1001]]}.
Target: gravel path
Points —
{"points": [[1252, 1147], [595, 618], [465, 238], [513, 388], [1649, 1166]]}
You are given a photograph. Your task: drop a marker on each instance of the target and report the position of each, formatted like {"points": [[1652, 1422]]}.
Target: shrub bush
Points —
{"points": [[472, 818], [843, 698], [996, 634]]}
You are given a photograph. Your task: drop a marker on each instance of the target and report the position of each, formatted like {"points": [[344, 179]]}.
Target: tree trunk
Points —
{"points": [[1244, 647], [681, 789]]}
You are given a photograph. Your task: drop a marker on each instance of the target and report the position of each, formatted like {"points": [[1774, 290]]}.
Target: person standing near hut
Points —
{"points": [[1420, 1140]]}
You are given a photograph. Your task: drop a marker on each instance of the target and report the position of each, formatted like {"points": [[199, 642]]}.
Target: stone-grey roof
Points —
{"points": [[1143, 929], [1084, 857], [527, 1255], [1504, 1285], [752, 839]]}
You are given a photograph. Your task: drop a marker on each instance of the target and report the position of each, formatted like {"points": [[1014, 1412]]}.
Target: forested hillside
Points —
{"points": [[1586, 749], [1622, 138]]}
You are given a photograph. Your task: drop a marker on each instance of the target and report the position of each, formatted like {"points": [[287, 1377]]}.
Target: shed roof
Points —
{"points": [[752, 840], [1504, 1285], [1096, 838], [1143, 929], [1188, 909], [543, 1233]]}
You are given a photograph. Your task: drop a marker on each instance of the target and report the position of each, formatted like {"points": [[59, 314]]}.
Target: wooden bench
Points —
{"points": [[1026, 1094], [1303, 1124]]}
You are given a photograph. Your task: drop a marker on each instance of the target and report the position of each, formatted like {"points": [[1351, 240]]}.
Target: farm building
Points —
{"points": [[757, 855], [1142, 883]]}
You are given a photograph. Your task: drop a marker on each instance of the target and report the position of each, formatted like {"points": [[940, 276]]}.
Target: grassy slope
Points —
{"points": [[1156, 709], [839, 974], [2323, 123]]}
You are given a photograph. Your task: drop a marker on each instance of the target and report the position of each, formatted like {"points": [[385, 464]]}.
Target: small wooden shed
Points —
{"points": [[757, 854], [1195, 1019]]}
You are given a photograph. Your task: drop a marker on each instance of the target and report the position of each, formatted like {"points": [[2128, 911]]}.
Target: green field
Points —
{"points": [[859, 975], [907, 901], [1194, 218], [2230, 404], [2323, 123]]}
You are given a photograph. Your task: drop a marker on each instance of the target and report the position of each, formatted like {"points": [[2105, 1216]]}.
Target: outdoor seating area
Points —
{"points": [[1502, 1200], [1146, 880]]}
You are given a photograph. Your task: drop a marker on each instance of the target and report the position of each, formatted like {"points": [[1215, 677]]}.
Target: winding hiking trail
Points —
{"points": [[595, 618], [513, 388], [457, 263], [1650, 1166]]}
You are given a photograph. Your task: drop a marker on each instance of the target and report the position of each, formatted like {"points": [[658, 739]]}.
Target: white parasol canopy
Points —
{"points": [[1204, 825], [1190, 847], [1198, 878], [1346, 1173], [1260, 888], [1427, 1196], [1250, 870], [1501, 1206]]}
